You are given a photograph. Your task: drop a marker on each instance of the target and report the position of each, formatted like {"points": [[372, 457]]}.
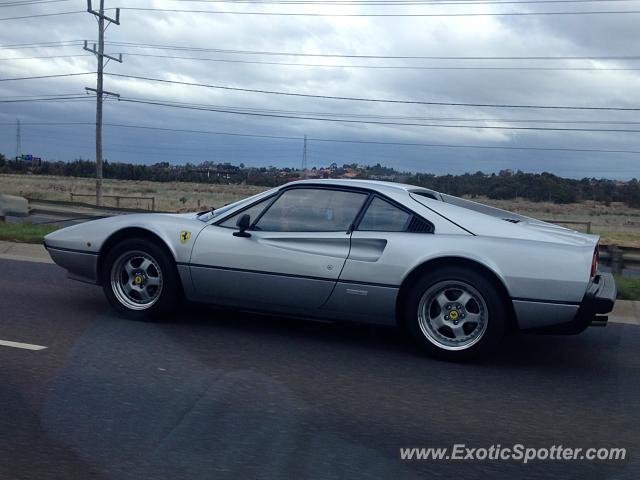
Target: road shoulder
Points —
{"points": [[25, 252]]}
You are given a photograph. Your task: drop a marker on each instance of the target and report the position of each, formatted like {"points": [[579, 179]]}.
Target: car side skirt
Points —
{"points": [[362, 302]]}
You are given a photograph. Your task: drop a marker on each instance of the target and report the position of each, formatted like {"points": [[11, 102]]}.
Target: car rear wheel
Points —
{"points": [[140, 280], [456, 313]]}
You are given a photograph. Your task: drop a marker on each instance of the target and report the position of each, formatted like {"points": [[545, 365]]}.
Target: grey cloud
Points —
{"points": [[593, 35]]}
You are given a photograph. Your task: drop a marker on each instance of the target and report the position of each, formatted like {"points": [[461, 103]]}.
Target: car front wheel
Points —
{"points": [[140, 280], [456, 313]]}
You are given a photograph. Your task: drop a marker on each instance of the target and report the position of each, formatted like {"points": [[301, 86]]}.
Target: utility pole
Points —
{"points": [[18, 140], [98, 50], [304, 158]]}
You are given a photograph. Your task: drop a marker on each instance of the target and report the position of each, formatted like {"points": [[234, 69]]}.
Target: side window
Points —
{"points": [[252, 211], [312, 210], [381, 216]]}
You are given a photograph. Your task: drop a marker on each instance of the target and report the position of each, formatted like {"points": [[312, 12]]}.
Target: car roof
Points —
{"points": [[377, 185]]}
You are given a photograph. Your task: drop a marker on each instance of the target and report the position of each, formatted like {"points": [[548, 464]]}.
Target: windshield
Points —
{"points": [[217, 212]]}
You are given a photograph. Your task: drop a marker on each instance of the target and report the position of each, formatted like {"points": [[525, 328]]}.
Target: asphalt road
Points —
{"points": [[223, 395]]}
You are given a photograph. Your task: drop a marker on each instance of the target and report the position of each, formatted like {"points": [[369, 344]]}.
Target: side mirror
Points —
{"points": [[243, 224]]}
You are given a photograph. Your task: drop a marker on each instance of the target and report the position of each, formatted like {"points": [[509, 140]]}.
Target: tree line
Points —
{"points": [[505, 185]]}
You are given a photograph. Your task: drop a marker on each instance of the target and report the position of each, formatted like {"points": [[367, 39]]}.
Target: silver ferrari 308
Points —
{"points": [[454, 273]]}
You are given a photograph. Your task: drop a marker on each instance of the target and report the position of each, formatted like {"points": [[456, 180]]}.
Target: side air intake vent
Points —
{"points": [[419, 225], [512, 220]]}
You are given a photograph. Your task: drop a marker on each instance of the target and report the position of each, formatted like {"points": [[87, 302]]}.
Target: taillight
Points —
{"points": [[594, 262]]}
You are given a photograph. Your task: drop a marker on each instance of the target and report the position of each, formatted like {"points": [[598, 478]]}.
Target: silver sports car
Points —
{"points": [[456, 274]]}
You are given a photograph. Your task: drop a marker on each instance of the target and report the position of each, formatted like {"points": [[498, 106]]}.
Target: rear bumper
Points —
{"points": [[598, 300], [601, 294]]}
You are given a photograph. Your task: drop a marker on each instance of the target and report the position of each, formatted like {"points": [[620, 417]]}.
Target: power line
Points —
{"points": [[347, 115], [398, 57], [397, 117], [46, 76], [50, 124], [60, 43], [422, 15], [40, 95], [66, 43], [370, 122], [38, 15], [335, 140], [14, 3], [44, 57], [49, 99], [375, 100], [30, 2], [391, 67], [397, 2], [52, 100], [375, 67]]}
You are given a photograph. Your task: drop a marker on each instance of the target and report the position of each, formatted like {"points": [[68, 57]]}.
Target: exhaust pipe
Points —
{"points": [[599, 321]]}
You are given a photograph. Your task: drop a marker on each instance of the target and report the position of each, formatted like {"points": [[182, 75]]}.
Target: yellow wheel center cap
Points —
{"points": [[138, 280], [453, 314]]}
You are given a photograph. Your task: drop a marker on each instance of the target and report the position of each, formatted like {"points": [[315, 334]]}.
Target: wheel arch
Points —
{"points": [[451, 261], [130, 233]]}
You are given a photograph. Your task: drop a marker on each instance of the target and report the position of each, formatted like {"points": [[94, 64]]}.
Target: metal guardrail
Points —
{"points": [[152, 205], [619, 258], [67, 203]]}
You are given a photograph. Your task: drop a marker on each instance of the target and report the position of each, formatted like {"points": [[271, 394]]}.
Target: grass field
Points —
{"points": [[616, 223], [169, 196], [24, 232]]}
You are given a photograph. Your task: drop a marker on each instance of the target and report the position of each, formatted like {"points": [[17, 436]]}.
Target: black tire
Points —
{"points": [[491, 329], [163, 267]]}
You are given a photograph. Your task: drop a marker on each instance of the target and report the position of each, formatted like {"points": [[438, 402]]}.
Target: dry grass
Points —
{"points": [[170, 196], [616, 223]]}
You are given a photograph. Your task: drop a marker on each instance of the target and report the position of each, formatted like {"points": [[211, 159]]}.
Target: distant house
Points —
{"points": [[350, 173]]}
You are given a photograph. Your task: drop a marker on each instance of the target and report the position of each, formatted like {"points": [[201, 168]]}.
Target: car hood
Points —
{"points": [[188, 215], [90, 236]]}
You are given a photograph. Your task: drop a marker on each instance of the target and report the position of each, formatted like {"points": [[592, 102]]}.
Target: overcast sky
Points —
{"points": [[561, 35]]}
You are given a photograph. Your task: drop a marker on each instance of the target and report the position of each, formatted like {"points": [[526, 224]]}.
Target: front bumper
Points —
{"points": [[598, 300], [80, 265]]}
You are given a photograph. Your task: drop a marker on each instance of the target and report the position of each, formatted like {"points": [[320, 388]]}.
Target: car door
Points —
{"points": [[377, 261], [293, 257], [379, 242]]}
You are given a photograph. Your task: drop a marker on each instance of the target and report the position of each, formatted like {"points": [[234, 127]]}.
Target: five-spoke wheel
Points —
{"points": [[455, 312], [136, 280], [452, 315], [140, 279]]}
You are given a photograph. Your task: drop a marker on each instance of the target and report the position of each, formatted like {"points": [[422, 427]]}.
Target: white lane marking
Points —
{"points": [[26, 346]]}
